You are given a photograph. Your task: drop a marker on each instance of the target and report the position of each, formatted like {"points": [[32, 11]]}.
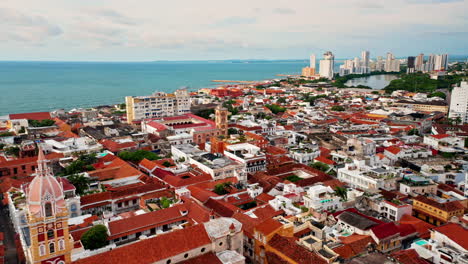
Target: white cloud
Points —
{"points": [[29, 28]]}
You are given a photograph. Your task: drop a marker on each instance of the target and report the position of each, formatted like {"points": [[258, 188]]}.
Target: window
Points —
{"points": [[51, 247], [50, 233], [220, 243], [48, 209], [41, 250], [61, 244], [168, 261], [202, 250], [186, 255]]}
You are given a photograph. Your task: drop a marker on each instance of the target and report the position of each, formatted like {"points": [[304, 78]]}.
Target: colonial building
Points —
{"points": [[45, 238]]}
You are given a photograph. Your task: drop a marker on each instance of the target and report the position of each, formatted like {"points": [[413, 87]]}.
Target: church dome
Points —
{"points": [[45, 194]]}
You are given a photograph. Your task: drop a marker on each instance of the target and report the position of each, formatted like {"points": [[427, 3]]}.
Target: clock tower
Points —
{"points": [[47, 218]]}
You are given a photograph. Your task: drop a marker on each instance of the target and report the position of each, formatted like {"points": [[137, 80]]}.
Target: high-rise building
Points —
{"points": [[379, 65], [365, 58], [365, 62], [419, 62], [312, 61], [441, 62], [459, 102], [392, 64], [157, 105], [411, 64], [308, 72], [48, 239], [327, 65]]}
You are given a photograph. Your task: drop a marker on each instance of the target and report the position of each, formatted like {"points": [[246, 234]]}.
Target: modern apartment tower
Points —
{"points": [[365, 62], [441, 62], [312, 61], [411, 64], [392, 64], [459, 102], [327, 65], [419, 62], [157, 105]]}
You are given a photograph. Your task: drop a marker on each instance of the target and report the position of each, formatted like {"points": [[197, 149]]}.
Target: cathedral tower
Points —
{"points": [[49, 240]]}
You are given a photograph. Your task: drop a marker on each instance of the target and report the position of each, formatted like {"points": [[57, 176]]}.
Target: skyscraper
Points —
{"points": [[312, 61], [441, 62], [327, 65], [411, 64], [418, 64], [391, 64], [365, 65]]}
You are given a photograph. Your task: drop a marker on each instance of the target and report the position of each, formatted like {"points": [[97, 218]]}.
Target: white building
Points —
{"points": [[248, 155], [312, 61], [320, 197], [158, 104], [394, 211], [459, 102], [72, 146], [367, 178], [327, 65]]}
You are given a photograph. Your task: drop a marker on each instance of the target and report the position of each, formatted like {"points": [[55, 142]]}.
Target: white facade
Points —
{"points": [[459, 102], [327, 65], [366, 178], [320, 197], [312, 61], [157, 105]]}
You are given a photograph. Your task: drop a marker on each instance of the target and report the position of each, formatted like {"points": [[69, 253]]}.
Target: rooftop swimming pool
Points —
{"points": [[421, 242]]}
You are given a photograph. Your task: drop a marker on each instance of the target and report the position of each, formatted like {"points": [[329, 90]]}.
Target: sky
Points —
{"points": [[148, 30]]}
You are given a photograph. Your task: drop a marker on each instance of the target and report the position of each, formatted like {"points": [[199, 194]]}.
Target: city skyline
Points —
{"points": [[96, 31]]}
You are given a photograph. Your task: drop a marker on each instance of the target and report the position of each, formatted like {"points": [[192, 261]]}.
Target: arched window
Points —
{"points": [[61, 244], [42, 250], [48, 209], [51, 247]]}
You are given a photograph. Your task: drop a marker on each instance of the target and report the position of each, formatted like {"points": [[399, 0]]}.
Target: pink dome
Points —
{"points": [[44, 188]]}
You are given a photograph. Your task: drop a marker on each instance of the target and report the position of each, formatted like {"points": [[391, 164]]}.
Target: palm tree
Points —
{"points": [[341, 192], [458, 120]]}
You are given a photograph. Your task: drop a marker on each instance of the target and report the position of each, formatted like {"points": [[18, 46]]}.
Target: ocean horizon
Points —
{"points": [[33, 86]]}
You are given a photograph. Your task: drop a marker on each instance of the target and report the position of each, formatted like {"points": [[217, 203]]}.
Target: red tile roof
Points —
{"points": [[440, 136], [353, 245], [394, 150], [408, 256], [419, 225], [299, 254], [154, 249], [140, 223], [31, 116], [384, 231], [454, 232], [323, 159], [268, 226]]}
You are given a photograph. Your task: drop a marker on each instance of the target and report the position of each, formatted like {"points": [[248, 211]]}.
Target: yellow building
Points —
{"points": [[308, 72], [48, 239], [435, 106], [435, 212]]}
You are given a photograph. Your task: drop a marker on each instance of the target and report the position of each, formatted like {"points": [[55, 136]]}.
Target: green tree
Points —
{"points": [[437, 94], [14, 151], [138, 155], [95, 238], [232, 131], [275, 109], [342, 193], [337, 108], [281, 100], [222, 188], [413, 131], [41, 123], [167, 164], [80, 182]]}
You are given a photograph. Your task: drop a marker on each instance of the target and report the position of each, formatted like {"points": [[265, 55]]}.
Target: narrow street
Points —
{"points": [[9, 236]]}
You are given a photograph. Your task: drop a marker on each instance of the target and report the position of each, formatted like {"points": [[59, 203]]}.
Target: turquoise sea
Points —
{"points": [[45, 86]]}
